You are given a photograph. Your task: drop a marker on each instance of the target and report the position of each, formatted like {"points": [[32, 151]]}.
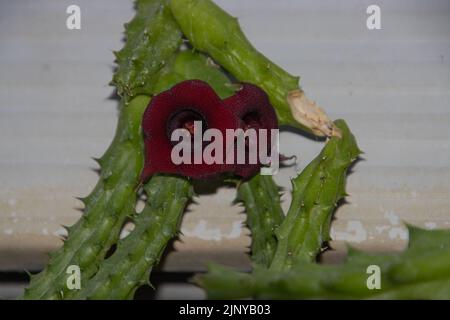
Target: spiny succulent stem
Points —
{"points": [[422, 271], [130, 265], [210, 29], [152, 38], [261, 198], [305, 228], [316, 192], [106, 208]]}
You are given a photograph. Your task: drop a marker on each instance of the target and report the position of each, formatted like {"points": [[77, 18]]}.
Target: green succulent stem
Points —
{"points": [[106, 208], [153, 39], [316, 193], [422, 271], [261, 198], [213, 31], [300, 236], [210, 29], [189, 64], [130, 265]]}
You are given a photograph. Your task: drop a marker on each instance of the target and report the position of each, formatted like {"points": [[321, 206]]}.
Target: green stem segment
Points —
{"points": [[420, 272], [193, 65], [212, 30], [152, 39], [106, 208], [316, 192], [300, 236], [261, 198], [130, 265]]}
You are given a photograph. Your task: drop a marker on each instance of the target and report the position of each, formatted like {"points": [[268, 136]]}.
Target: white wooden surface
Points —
{"points": [[391, 85]]}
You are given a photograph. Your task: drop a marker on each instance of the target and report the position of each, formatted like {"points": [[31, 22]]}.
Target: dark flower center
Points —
{"points": [[252, 120], [185, 119]]}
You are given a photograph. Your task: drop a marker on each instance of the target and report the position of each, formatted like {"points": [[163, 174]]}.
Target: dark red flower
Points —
{"points": [[179, 107], [252, 106], [190, 101]]}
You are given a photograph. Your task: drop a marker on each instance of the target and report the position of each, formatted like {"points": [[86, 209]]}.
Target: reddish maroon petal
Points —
{"points": [[178, 107], [251, 104]]}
